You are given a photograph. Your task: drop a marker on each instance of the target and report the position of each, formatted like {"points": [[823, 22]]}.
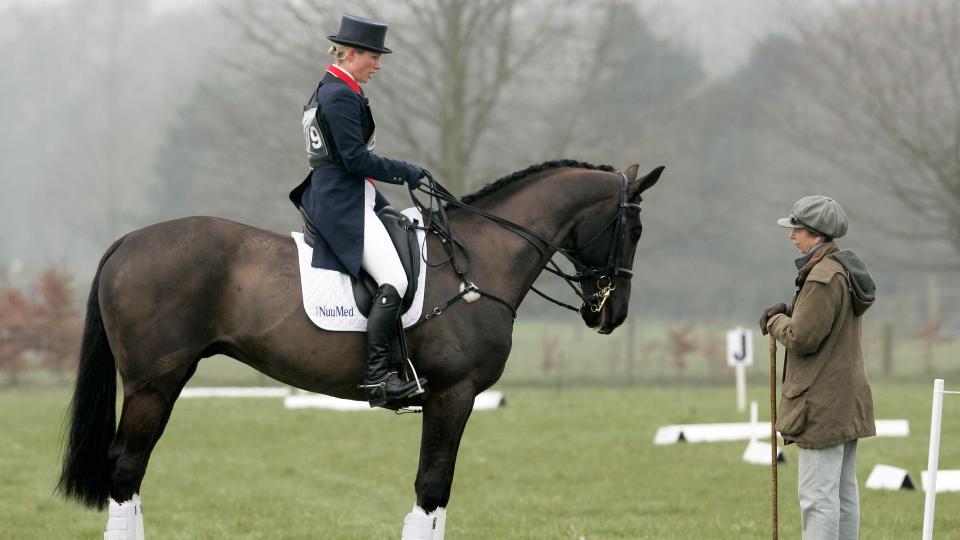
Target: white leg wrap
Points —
{"points": [[125, 520], [441, 523], [418, 525]]}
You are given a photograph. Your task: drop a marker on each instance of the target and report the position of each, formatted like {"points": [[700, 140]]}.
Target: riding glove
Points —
{"points": [[414, 174]]}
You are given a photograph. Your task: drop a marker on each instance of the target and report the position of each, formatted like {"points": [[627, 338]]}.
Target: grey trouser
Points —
{"points": [[829, 498]]}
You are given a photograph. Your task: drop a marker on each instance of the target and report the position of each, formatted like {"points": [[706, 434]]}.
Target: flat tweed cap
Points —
{"points": [[821, 215]]}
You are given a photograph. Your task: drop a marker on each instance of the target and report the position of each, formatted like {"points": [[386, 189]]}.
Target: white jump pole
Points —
{"points": [[933, 459]]}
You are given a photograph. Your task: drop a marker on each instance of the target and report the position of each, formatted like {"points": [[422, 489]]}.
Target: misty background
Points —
{"points": [[121, 113]]}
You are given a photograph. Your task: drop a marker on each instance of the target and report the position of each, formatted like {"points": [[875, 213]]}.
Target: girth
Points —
{"points": [[403, 233]]}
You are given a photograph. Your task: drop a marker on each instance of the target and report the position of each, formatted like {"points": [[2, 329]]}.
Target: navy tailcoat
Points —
{"points": [[332, 195]]}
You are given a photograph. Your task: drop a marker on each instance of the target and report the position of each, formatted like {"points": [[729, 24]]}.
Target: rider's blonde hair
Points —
{"points": [[340, 51]]}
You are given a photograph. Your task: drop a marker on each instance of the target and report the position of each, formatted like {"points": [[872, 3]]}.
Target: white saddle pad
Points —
{"points": [[328, 294]]}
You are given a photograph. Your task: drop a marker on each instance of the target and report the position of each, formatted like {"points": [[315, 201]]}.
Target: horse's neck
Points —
{"points": [[549, 206]]}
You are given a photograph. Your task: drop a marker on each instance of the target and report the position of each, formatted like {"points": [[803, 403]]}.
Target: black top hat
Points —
{"points": [[361, 33]]}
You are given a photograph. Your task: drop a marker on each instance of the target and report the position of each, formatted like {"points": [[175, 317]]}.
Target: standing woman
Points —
{"points": [[340, 198], [826, 404]]}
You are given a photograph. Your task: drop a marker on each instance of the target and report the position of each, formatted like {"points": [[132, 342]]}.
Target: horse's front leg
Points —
{"points": [[445, 415]]}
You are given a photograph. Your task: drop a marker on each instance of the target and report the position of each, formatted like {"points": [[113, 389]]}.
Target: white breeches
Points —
{"points": [[380, 258]]}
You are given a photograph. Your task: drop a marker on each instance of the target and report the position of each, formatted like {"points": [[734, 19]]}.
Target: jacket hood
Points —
{"points": [[861, 282]]}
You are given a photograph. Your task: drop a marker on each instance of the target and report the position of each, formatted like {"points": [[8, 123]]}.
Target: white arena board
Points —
{"points": [[893, 428], [235, 392], [742, 431], [946, 480], [758, 453], [490, 399], [888, 477]]}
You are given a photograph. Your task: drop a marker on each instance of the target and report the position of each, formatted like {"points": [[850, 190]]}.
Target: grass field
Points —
{"points": [[575, 464]]}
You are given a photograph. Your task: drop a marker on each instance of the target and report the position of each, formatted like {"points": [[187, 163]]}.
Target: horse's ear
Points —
{"points": [[645, 183], [631, 172]]}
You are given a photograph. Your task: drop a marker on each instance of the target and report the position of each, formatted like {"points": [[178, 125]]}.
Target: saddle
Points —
{"points": [[403, 233]]}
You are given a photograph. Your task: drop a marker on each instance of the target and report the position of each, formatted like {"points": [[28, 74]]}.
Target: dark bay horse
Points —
{"points": [[170, 294]]}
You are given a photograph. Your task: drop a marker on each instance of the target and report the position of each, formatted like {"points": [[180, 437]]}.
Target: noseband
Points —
{"points": [[604, 275]]}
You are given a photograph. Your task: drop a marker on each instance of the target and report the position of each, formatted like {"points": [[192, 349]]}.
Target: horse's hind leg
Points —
{"points": [[445, 416], [146, 410]]}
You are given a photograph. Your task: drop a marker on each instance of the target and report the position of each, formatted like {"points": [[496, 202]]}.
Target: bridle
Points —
{"points": [[439, 224], [614, 266]]}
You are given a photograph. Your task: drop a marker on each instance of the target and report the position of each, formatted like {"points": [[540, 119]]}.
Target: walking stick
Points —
{"points": [[773, 427]]}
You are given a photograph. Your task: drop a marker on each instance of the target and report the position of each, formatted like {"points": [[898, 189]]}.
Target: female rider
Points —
{"points": [[340, 198]]}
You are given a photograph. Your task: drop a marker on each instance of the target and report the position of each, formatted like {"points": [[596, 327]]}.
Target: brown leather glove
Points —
{"points": [[770, 312]]}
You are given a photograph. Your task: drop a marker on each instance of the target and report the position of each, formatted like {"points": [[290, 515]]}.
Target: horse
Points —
{"points": [[170, 294]]}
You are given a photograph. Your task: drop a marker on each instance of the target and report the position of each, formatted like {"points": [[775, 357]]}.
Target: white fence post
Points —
{"points": [[741, 387], [933, 459]]}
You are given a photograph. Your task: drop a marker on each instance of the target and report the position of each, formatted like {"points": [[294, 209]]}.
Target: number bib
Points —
{"points": [[317, 142], [317, 147]]}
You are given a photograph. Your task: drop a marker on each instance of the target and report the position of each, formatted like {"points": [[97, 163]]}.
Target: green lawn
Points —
{"points": [[579, 464]]}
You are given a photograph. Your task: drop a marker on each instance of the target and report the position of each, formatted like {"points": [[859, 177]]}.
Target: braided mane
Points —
{"points": [[545, 166]]}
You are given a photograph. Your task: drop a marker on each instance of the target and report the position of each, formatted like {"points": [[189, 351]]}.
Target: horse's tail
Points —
{"points": [[87, 469]]}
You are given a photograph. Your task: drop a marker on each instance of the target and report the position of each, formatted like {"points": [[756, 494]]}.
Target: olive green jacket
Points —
{"points": [[826, 398]]}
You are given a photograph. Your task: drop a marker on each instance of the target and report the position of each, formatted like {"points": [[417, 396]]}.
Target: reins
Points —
{"points": [[439, 224]]}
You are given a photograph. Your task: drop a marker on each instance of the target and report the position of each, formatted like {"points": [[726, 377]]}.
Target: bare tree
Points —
{"points": [[625, 78], [458, 58], [876, 92], [472, 51]]}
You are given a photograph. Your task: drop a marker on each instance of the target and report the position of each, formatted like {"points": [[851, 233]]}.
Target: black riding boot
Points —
{"points": [[381, 384]]}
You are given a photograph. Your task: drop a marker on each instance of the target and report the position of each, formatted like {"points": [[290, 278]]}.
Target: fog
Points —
{"points": [[120, 113]]}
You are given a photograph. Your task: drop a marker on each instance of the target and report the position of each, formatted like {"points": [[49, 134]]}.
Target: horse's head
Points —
{"points": [[607, 243]]}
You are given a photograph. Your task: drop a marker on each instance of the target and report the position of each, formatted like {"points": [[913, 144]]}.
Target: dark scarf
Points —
{"points": [[808, 261]]}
